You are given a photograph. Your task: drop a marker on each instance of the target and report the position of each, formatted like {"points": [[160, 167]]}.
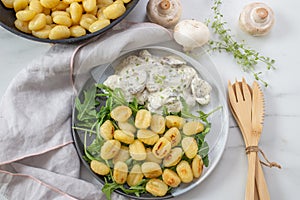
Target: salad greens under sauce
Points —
{"points": [[94, 109]]}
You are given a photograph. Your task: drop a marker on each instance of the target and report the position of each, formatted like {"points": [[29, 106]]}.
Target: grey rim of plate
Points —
{"points": [[218, 135]]}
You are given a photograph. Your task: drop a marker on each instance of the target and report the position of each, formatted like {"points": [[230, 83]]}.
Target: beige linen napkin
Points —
{"points": [[38, 159]]}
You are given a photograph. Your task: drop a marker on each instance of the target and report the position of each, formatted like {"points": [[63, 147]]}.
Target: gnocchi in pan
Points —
{"points": [[61, 19], [152, 147]]}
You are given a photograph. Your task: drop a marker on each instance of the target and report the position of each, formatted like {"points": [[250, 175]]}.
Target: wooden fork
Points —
{"points": [[241, 101], [261, 185]]}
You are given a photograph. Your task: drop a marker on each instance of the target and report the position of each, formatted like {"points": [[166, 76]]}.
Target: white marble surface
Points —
{"points": [[280, 136]]}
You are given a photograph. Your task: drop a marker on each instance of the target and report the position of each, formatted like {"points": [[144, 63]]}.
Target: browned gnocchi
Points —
{"points": [[73, 18], [141, 146]]}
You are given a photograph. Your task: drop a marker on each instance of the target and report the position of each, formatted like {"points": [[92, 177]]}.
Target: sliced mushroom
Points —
{"points": [[164, 12], [256, 19], [201, 90]]}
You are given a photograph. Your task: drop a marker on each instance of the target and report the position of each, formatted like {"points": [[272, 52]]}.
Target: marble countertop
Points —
{"points": [[279, 139]]}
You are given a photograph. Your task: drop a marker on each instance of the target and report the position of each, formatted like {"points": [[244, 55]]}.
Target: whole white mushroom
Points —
{"points": [[191, 34], [164, 12], [257, 19]]}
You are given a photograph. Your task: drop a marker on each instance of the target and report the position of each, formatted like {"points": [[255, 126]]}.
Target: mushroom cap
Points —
{"points": [[191, 34], [164, 12], [257, 19]]}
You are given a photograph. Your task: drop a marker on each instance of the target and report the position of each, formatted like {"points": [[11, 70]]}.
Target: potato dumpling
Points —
{"points": [[192, 128], [147, 137], [38, 22], [106, 130], [121, 113], [114, 10], [151, 158], [124, 136], [171, 178], [25, 15], [120, 172], [135, 176], [173, 135], [197, 166], [162, 148], [151, 169], [137, 150], [189, 146], [174, 121], [184, 171], [127, 127], [43, 33], [158, 124], [156, 187], [99, 167], [143, 119], [173, 157], [122, 155], [110, 149]]}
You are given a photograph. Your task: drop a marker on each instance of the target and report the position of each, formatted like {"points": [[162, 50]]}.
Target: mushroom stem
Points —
{"points": [[261, 15], [165, 4]]}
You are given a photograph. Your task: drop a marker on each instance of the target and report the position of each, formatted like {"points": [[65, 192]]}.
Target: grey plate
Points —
{"points": [[219, 131]]}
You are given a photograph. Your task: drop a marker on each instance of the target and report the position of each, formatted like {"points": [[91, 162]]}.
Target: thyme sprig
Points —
{"points": [[246, 57]]}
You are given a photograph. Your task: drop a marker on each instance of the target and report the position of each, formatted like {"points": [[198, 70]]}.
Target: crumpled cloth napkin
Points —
{"points": [[38, 159]]}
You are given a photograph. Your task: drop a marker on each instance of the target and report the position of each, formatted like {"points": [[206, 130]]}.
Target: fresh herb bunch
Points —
{"points": [[246, 57], [92, 112]]}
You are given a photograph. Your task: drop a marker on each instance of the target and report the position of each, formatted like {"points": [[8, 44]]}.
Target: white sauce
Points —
{"points": [[159, 81]]}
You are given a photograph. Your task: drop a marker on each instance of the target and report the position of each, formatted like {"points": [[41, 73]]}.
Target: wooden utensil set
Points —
{"points": [[247, 107]]}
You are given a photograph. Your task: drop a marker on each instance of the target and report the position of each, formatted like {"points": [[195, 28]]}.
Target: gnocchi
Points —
{"points": [[174, 121], [184, 171], [173, 135], [127, 127], [156, 187], [80, 16], [143, 119], [120, 113], [124, 136], [192, 128], [158, 124], [162, 148], [110, 149], [123, 155], [120, 172], [190, 147], [171, 178], [137, 150], [59, 32], [107, 130], [173, 157], [151, 169], [135, 176], [147, 137], [99, 167], [197, 166]]}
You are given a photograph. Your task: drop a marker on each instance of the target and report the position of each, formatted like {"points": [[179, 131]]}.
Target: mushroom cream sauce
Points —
{"points": [[159, 81]]}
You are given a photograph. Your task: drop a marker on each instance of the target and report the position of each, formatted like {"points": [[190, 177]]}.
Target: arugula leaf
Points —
{"points": [[186, 113], [205, 161], [94, 148], [203, 151], [87, 154], [87, 109], [108, 188]]}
